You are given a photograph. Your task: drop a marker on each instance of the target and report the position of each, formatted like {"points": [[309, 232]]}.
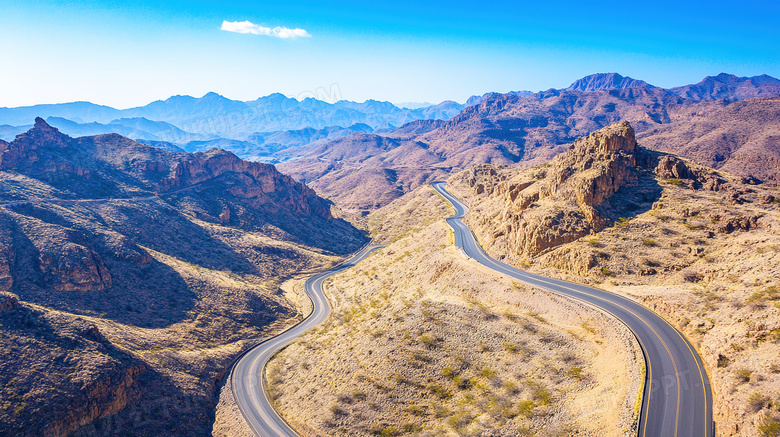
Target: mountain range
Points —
{"points": [[337, 147], [365, 170], [214, 116], [264, 129]]}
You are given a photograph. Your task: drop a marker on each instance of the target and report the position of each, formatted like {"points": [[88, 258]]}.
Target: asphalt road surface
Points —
{"points": [[249, 386], [677, 400]]}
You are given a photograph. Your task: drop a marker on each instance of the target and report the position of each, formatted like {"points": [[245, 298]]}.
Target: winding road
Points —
{"points": [[677, 399], [249, 386]]}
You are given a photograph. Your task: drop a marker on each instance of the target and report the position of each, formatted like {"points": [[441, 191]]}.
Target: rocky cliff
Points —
{"points": [[563, 200]]}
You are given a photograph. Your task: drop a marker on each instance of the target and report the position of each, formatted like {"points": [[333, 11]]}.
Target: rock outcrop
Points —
{"points": [[562, 201], [690, 175]]}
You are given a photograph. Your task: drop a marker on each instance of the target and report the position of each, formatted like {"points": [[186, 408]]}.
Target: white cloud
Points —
{"points": [[254, 29]]}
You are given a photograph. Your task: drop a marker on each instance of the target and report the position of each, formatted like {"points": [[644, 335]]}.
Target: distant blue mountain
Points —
{"points": [[215, 116], [79, 112], [135, 128]]}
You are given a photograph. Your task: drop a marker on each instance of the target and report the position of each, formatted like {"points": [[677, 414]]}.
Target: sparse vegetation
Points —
{"points": [[674, 181], [743, 375], [452, 350], [574, 372], [769, 428], [756, 402]]}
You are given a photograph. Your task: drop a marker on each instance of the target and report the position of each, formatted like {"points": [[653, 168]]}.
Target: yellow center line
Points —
{"points": [[649, 366], [668, 351]]}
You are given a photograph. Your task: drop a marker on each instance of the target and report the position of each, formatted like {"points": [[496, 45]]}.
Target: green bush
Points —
{"points": [[649, 242], [574, 372]]}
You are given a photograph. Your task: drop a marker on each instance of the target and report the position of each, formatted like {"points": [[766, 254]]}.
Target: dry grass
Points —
{"points": [[719, 286], [423, 341]]}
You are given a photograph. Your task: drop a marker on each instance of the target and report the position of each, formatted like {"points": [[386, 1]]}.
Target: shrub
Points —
{"points": [[388, 431], [439, 391], [524, 408], [743, 375], [509, 347], [415, 410], [649, 242], [606, 272], [622, 222], [674, 181], [487, 372], [410, 427], [462, 383], [536, 316], [594, 242], [770, 428], [509, 386], [448, 372], [337, 410], [574, 372], [769, 293], [756, 402], [542, 395]]}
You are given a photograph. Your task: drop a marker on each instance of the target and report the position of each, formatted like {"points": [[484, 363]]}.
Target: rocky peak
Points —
{"points": [[23, 148], [43, 132], [564, 199], [255, 182], [606, 81], [616, 138]]}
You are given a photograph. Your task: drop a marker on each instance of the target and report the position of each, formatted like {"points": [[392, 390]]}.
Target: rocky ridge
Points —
{"points": [[562, 201], [130, 277]]}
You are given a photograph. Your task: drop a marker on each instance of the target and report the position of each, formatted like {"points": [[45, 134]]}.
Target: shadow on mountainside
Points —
{"points": [[638, 194], [57, 369]]}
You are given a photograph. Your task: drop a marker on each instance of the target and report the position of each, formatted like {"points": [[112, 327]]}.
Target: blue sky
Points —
{"points": [[128, 53]]}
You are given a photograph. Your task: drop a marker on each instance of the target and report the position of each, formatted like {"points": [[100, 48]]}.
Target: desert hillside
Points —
{"points": [[130, 277], [425, 342], [699, 246]]}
